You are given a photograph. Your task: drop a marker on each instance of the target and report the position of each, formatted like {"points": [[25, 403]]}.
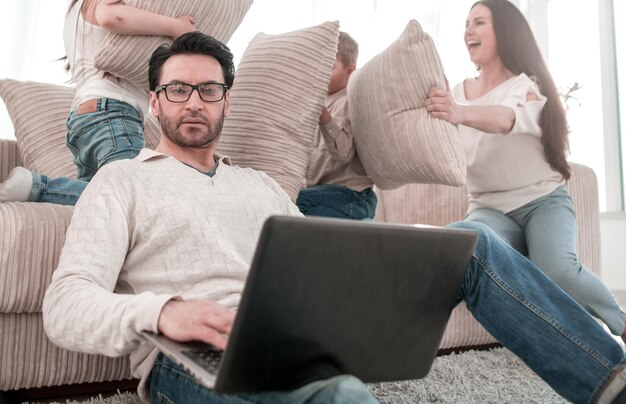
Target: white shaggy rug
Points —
{"points": [[494, 376]]}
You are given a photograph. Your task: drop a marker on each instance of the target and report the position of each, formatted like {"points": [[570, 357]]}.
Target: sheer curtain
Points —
{"points": [[32, 44]]}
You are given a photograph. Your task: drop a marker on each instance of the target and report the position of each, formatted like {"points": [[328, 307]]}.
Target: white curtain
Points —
{"points": [[32, 32]]}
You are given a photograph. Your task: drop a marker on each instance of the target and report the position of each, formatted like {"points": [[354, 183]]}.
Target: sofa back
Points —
{"points": [[440, 204]]}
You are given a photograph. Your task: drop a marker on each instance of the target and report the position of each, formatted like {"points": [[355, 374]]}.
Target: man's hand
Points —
{"points": [[202, 320]]}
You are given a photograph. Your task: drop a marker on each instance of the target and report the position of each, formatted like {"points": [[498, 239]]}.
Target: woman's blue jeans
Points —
{"points": [[516, 302], [545, 231], [113, 132], [331, 200], [170, 384]]}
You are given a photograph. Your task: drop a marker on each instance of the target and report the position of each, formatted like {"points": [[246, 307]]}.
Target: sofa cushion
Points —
{"points": [[276, 101], [397, 140], [38, 112], [127, 56]]}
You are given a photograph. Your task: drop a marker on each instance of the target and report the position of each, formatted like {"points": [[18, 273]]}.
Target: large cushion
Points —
{"points": [[397, 140], [276, 100], [127, 56], [38, 112]]}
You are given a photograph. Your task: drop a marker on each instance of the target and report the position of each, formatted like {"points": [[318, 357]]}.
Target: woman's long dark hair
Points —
{"points": [[520, 53]]}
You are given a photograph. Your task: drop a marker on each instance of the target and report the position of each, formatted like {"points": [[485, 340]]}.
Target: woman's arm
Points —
{"points": [[120, 18], [487, 118]]}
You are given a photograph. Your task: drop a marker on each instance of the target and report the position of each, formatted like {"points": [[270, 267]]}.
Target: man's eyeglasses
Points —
{"points": [[181, 92]]}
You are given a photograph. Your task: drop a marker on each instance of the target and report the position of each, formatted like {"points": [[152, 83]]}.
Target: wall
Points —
{"points": [[613, 238]]}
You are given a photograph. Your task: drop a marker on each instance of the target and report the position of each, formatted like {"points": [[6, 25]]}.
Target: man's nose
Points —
{"points": [[194, 100]]}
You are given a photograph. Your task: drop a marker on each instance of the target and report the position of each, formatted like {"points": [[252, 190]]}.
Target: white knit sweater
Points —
{"points": [[505, 172], [149, 229]]}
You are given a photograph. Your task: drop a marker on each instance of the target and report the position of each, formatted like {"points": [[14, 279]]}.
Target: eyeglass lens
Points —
{"points": [[180, 92]]}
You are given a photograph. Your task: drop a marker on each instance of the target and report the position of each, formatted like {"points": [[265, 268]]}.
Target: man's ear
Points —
{"points": [[154, 104], [227, 104]]}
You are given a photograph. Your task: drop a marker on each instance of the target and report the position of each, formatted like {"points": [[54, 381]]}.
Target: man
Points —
{"points": [[163, 243], [336, 182]]}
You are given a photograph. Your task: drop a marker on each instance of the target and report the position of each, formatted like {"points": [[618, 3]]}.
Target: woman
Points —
{"points": [[514, 132], [106, 119]]}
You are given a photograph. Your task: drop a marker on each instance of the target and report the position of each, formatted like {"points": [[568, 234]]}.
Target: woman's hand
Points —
{"points": [[441, 105]]}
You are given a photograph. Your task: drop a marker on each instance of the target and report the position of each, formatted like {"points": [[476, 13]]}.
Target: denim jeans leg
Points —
{"points": [[169, 383], [337, 201], [524, 310], [113, 132], [62, 191], [502, 225], [550, 227]]}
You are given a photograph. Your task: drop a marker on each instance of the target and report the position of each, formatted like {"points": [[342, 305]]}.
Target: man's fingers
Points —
{"points": [[202, 320], [211, 337]]}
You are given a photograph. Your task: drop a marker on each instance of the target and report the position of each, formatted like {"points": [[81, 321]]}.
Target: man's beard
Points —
{"points": [[194, 136]]}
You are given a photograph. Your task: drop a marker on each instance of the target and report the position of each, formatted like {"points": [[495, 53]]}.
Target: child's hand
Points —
{"points": [[185, 23]]}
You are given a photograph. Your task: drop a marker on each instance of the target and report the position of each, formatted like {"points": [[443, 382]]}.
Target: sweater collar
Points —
{"points": [[149, 154]]}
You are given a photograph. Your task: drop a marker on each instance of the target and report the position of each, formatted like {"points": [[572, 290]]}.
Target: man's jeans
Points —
{"points": [[545, 231], [113, 131], [332, 200], [169, 384], [531, 316], [521, 307]]}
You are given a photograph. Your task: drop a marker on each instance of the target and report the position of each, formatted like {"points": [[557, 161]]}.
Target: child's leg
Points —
{"points": [[337, 201], [101, 131]]}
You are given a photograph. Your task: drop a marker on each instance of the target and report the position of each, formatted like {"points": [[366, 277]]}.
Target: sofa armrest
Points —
{"points": [[583, 187], [9, 157], [31, 240]]}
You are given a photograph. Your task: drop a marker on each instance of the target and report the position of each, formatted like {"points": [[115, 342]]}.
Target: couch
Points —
{"points": [[33, 233]]}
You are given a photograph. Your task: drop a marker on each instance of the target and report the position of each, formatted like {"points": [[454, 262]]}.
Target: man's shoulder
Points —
{"points": [[118, 166], [255, 176]]}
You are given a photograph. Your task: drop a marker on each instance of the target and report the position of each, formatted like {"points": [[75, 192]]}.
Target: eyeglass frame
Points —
{"points": [[194, 87]]}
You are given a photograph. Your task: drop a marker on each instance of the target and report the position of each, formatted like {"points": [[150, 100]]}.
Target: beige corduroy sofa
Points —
{"points": [[32, 235]]}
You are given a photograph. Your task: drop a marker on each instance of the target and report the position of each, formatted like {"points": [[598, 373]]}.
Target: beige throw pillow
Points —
{"points": [[397, 141], [127, 56], [38, 112], [276, 100]]}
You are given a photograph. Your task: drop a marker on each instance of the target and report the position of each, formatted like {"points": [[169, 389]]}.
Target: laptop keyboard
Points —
{"points": [[208, 358]]}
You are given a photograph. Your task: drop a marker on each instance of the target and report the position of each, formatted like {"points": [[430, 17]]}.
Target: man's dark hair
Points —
{"points": [[192, 43]]}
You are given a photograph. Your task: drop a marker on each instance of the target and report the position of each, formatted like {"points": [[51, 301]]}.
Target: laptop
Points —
{"points": [[334, 296]]}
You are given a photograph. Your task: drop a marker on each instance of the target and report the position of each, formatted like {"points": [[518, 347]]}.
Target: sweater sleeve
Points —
{"points": [[527, 112], [337, 134], [81, 312]]}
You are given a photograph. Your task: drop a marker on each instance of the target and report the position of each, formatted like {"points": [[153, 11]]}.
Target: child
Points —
{"points": [[106, 119], [337, 184]]}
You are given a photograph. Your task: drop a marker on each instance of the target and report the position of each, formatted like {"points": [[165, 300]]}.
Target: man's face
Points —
{"points": [[192, 123], [339, 76]]}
